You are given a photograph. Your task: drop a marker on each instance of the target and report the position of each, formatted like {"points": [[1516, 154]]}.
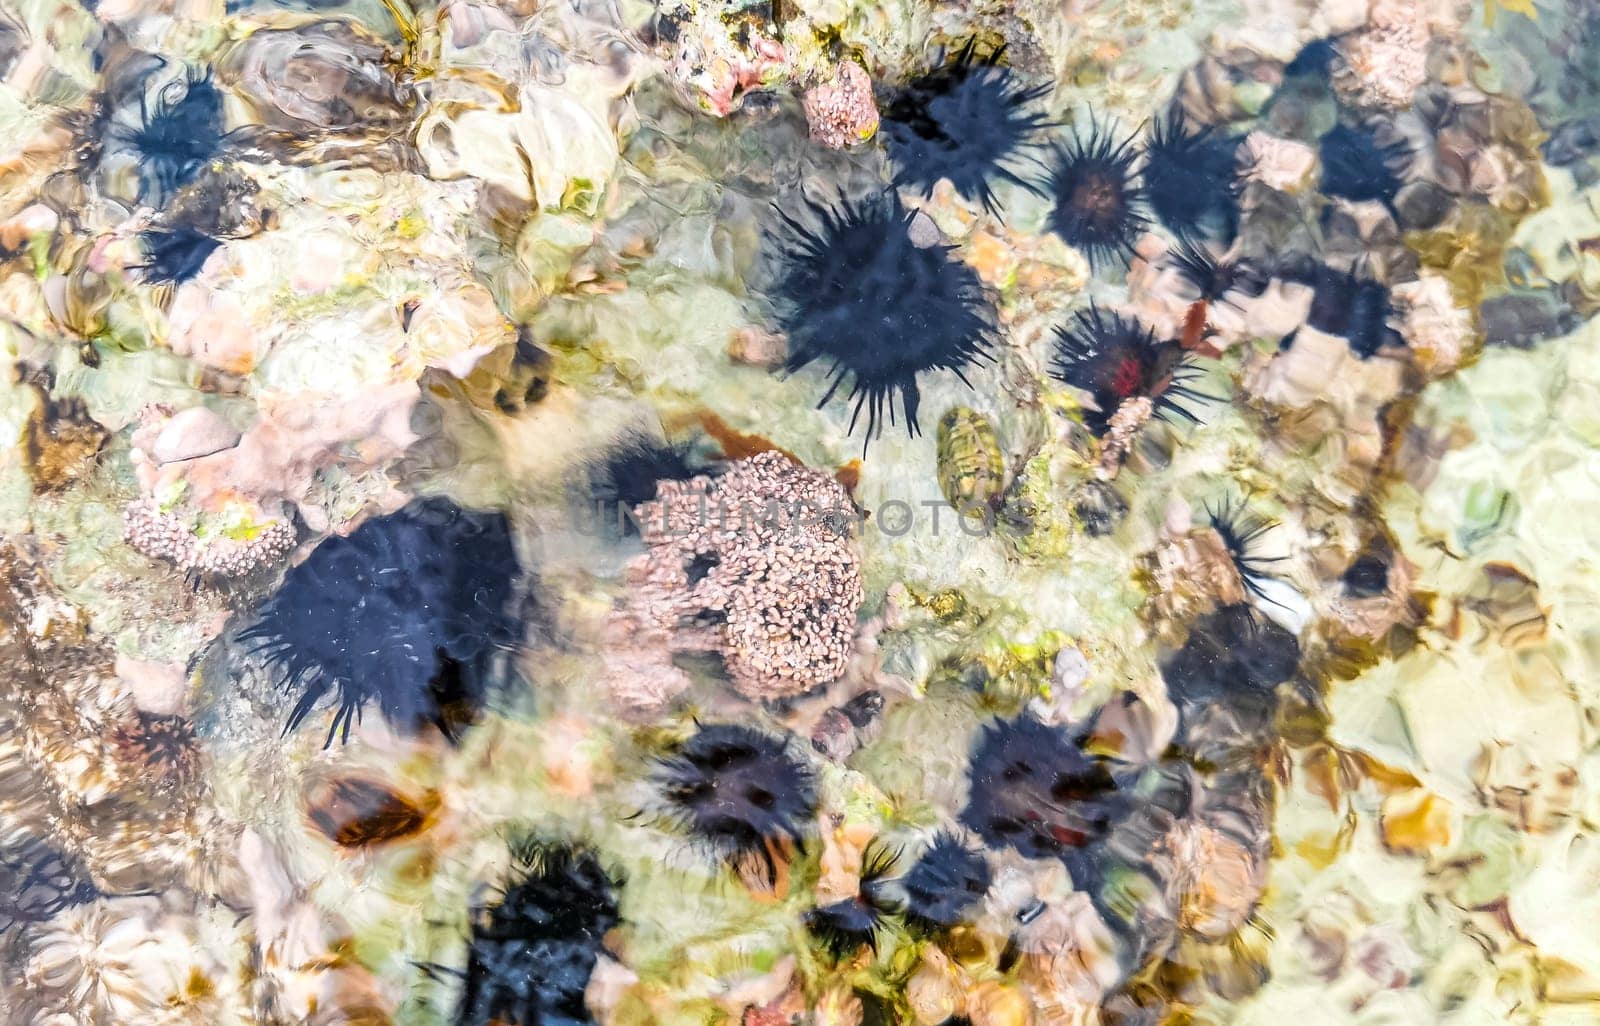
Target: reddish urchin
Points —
{"points": [[1117, 360]]}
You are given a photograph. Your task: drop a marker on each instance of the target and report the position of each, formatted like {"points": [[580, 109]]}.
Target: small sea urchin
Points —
{"points": [[739, 791], [175, 255], [1356, 308], [969, 122], [408, 612], [1035, 789], [880, 302], [1356, 166], [1215, 278], [176, 136], [844, 926], [946, 882], [1190, 178], [1116, 359], [1098, 199], [1231, 654], [531, 955], [1241, 532]]}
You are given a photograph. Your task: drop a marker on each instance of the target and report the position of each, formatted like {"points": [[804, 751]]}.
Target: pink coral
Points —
{"points": [[1383, 64], [841, 112], [760, 563]]}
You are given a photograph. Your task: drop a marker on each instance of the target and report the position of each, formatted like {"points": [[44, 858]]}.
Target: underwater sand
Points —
{"points": [[834, 512]]}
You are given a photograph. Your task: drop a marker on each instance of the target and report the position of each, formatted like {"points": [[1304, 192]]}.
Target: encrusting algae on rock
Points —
{"points": [[810, 513]]}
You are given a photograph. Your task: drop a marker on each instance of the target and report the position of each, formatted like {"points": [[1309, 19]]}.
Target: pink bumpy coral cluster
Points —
{"points": [[173, 538], [757, 564]]}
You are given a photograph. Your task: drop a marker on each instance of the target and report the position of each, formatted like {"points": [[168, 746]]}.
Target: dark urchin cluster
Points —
{"points": [[1035, 789], [176, 136], [969, 121], [531, 955], [1191, 179], [878, 302], [1115, 359], [407, 612], [740, 792], [1099, 202], [628, 473]]}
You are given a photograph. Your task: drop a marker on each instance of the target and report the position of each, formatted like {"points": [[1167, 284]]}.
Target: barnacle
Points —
{"points": [[1241, 532], [408, 612], [531, 954], [844, 926], [1035, 789], [177, 136], [1190, 178], [878, 302], [1231, 653], [738, 791], [947, 880], [1098, 199], [1356, 166], [175, 255], [1116, 359], [968, 122]]}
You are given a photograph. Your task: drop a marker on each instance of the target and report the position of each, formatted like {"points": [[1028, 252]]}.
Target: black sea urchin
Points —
{"points": [[408, 612], [880, 303], [1191, 179], [1231, 654], [175, 255], [176, 137], [1355, 308], [39, 882], [1034, 788], [1115, 359], [1098, 197], [627, 474], [844, 926], [945, 883], [739, 791], [531, 955], [970, 122], [1356, 166], [1241, 532], [1216, 278]]}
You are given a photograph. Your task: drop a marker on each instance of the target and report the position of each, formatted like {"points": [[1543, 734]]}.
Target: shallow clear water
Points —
{"points": [[835, 513]]}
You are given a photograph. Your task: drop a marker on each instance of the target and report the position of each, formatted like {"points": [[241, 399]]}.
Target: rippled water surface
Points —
{"points": [[835, 512]]}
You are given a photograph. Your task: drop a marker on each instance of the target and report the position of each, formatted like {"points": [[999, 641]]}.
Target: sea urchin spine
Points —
{"points": [[880, 302], [1190, 179], [176, 137]]}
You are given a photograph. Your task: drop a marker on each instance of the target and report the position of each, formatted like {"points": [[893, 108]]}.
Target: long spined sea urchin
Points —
{"points": [[1099, 203], [407, 612], [971, 122], [1116, 359], [880, 302]]}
